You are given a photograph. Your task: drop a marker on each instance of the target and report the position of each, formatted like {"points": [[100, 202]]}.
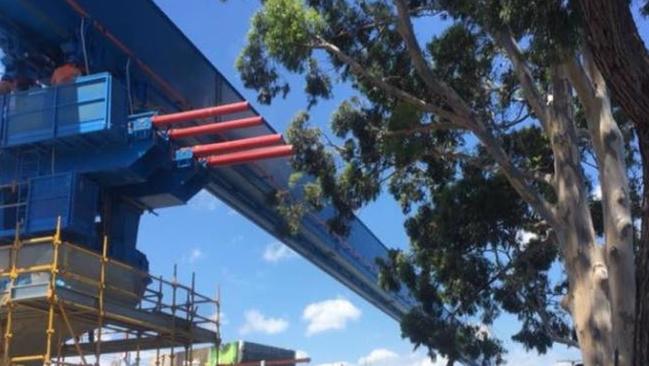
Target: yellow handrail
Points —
{"points": [[59, 269]]}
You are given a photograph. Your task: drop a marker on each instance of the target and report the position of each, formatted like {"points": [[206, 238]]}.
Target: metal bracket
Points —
{"points": [[140, 127], [184, 157]]}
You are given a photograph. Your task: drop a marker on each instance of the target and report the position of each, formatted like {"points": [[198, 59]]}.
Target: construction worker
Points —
{"points": [[7, 85], [8, 80], [15, 78], [70, 70], [65, 73]]}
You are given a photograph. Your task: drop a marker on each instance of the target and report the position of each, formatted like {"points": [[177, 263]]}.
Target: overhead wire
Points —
{"points": [[128, 85], [83, 45]]}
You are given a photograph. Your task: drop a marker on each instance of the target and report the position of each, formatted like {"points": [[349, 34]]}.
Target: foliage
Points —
{"points": [[465, 221]]}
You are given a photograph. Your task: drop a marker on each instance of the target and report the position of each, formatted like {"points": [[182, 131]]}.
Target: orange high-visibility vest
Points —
{"points": [[65, 74], [7, 86]]}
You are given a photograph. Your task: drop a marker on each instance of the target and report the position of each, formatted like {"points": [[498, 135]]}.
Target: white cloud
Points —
{"points": [[235, 240], [597, 192], [277, 251], [256, 322], [223, 318], [301, 354], [483, 331], [525, 236], [120, 359], [386, 357], [195, 255], [204, 201], [380, 355], [329, 315], [516, 356]]}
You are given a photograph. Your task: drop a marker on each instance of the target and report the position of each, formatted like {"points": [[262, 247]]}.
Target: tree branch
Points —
{"points": [[507, 42], [509, 124], [469, 159], [466, 120], [437, 87], [539, 177], [581, 83], [545, 322], [417, 12], [460, 108], [380, 83], [514, 175], [414, 50], [423, 128]]}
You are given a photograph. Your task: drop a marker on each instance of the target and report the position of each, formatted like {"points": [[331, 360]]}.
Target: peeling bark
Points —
{"points": [[623, 59], [587, 264], [584, 260], [618, 227]]}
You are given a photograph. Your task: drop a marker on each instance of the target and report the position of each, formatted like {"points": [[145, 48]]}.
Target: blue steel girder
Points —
{"points": [[137, 33], [313, 241]]}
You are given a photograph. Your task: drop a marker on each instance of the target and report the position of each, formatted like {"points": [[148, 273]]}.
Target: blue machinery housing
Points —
{"points": [[87, 151]]}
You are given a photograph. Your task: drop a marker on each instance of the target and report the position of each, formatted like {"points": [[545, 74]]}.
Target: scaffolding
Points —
{"points": [[59, 301]]}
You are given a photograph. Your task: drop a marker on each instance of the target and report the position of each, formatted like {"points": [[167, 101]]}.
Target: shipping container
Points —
{"points": [[249, 351], [236, 352]]}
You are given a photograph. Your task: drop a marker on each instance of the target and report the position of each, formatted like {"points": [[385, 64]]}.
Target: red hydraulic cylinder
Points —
{"points": [[228, 146], [166, 119], [246, 156], [214, 128]]}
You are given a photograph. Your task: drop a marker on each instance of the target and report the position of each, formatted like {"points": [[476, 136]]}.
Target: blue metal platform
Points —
{"points": [[143, 61]]}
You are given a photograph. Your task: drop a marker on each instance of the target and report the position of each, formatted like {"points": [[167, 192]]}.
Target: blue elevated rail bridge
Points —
{"points": [[93, 153]]}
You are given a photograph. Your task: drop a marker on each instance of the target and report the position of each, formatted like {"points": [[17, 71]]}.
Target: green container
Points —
{"points": [[236, 352], [229, 354]]}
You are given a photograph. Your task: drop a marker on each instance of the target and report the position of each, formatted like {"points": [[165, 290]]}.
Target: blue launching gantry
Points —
{"points": [[74, 152], [108, 111], [91, 151], [147, 124]]}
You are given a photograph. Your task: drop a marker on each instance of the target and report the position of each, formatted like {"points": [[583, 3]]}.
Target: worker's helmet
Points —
{"points": [[71, 52]]}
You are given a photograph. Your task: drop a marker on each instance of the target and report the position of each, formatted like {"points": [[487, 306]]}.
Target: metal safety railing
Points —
{"points": [[45, 267], [13, 204]]}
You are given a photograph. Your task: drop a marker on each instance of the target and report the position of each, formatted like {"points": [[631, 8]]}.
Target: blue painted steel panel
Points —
{"points": [[90, 105], [49, 198], [68, 196], [2, 119]]}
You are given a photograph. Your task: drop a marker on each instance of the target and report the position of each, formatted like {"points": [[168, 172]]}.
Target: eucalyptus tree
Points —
{"points": [[621, 55], [491, 135]]}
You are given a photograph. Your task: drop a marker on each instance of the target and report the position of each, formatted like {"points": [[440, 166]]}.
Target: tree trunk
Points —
{"points": [[641, 336], [587, 298], [620, 54], [623, 60], [608, 145], [618, 227]]}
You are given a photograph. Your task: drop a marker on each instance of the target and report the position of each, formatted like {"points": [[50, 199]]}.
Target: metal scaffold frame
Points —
{"points": [[116, 319]]}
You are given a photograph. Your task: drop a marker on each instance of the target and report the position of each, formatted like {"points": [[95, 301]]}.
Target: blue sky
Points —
{"points": [[270, 295], [266, 290]]}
